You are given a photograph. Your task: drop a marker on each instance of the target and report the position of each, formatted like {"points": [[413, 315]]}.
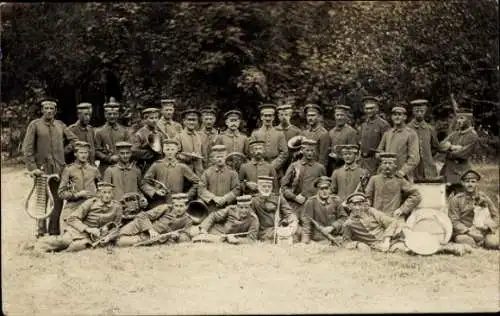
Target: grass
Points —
{"points": [[226, 279]]}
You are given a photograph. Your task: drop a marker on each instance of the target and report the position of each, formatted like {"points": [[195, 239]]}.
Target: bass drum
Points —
{"points": [[432, 221]]}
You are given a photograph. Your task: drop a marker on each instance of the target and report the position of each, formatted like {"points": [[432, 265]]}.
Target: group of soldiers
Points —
{"points": [[347, 185]]}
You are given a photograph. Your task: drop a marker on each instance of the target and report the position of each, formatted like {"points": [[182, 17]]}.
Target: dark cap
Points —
{"points": [[190, 111], [209, 110], [165, 102], [342, 108], [81, 144], [232, 112], [104, 184], [322, 180], [370, 99], [312, 107], [172, 141], [470, 174]]}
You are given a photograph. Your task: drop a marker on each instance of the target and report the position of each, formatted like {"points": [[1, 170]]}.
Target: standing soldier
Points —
{"points": [[78, 181], [392, 195], [317, 132], [324, 208], [298, 182], [166, 122], [219, 184], [275, 146], [108, 135], [83, 130], [371, 132], [402, 141], [350, 176], [235, 142], [190, 142], [171, 173], [285, 112], [43, 150], [208, 132], [147, 141], [251, 170], [428, 142], [124, 175], [459, 146], [341, 134]]}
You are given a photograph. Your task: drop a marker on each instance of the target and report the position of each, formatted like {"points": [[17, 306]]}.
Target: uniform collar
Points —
{"points": [[351, 167], [191, 133], [115, 127], [315, 128], [219, 170], [328, 201], [124, 167], [170, 163], [232, 134], [305, 162], [81, 165], [399, 129], [416, 124], [48, 123]]}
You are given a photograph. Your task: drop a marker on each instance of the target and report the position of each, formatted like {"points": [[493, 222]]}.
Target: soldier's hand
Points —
{"points": [[252, 186], [143, 202], [399, 174], [218, 200], [174, 236], [300, 199], [161, 192], [114, 158], [37, 172], [398, 212], [153, 233], [232, 239], [94, 232]]}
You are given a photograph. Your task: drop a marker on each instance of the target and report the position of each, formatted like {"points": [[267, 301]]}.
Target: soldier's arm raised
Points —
{"points": [[467, 149]]}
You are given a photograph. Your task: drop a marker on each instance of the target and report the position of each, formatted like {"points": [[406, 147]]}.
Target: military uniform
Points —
{"points": [[346, 179], [369, 227], [221, 182], [86, 134], [106, 137], [190, 142], [276, 148], [265, 208], [250, 172], [209, 138], [428, 144], [171, 128], [126, 178], [327, 212], [234, 142], [371, 131], [345, 135], [322, 138]]}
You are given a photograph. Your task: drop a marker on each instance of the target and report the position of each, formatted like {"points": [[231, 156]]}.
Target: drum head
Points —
{"points": [[433, 222], [422, 243]]}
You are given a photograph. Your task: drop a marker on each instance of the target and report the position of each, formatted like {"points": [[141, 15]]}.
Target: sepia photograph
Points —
{"points": [[257, 157]]}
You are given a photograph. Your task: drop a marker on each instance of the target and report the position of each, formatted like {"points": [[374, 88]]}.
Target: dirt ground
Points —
{"points": [[225, 279]]}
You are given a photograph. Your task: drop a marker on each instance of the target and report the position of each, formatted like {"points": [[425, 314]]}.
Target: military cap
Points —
{"points": [[244, 199], [265, 179], [267, 107], [218, 148], [235, 154], [398, 109], [419, 103], [232, 113], [388, 156], [104, 184], [322, 180], [470, 174], [255, 142], [49, 101], [295, 142], [284, 107], [165, 102], [342, 108], [190, 111], [111, 106], [81, 144], [167, 141], [308, 142], [179, 196], [348, 147], [312, 107], [209, 110], [150, 110], [370, 99], [123, 145], [84, 106], [356, 197]]}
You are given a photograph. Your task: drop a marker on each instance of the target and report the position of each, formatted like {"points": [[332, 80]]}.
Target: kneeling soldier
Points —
{"points": [[171, 220], [469, 225], [323, 214], [232, 221], [87, 223]]}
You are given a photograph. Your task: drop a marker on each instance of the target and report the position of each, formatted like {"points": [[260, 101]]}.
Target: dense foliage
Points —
{"points": [[241, 54]]}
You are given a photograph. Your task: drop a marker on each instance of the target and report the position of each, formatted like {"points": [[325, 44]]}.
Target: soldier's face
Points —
{"points": [[258, 150], [84, 116], [349, 156], [106, 194], [111, 116], [419, 113], [242, 210], [265, 188], [285, 116], [168, 111], [470, 185], [398, 118], [151, 118], [267, 118], [233, 123], [218, 158], [178, 208], [358, 207], [308, 152], [191, 121], [312, 117], [49, 111], [340, 118], [82, 154], [370, 109], [324, 191], [208, 119], [125, 154], [462, 122], [388, 166], [170, 150]]}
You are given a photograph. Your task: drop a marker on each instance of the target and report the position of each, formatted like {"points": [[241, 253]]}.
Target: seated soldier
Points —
{"points": [[347, 178], [78, 181], [87, 223], [389, 193], [257, 166], [233, 221], [469, 226], [219, 184], [326, 210], [265, 205], [162, 219]]}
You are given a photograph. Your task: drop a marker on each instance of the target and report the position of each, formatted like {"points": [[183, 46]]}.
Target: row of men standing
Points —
{"points": [[47, 141]]}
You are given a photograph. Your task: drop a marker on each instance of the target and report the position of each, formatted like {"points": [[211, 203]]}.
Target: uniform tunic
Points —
{"points": [[461, 211], [457, 162], [265, 209], [327, 213], [106, 137], [346, 179], [403, 142], [299, 179], [190, 142], [127, 179], [387, 193], [142, 150], [428, 144], [321, 136], [371, 132], [289, 132], [171, 128], [250, 172], [172, 174], [161, 220], [208, 139], [368, 227], [93, 213], [345, 135], [234, 142], [85, 134], [227, 221], [275, 147], [221, 182]]}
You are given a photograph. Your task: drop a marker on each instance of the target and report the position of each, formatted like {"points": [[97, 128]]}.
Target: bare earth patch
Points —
{"points": [[225, 279]]}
